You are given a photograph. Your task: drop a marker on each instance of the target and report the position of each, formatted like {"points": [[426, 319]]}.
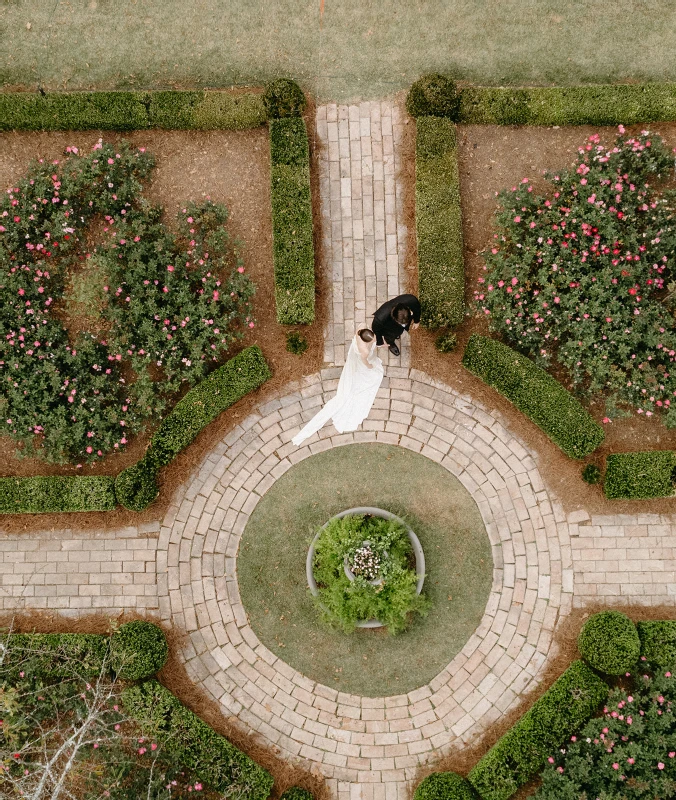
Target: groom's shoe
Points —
{"points": [[395, 350]]}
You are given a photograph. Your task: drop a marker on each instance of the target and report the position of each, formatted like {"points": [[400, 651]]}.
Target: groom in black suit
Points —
{"points": [[393, 318]]}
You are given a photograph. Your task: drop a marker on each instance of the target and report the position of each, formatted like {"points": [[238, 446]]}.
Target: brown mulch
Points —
{"points": [[492, 158], [230, 167]]}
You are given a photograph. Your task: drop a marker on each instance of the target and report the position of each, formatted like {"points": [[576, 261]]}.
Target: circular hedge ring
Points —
{"points": [[139, 649], [609, 642]]}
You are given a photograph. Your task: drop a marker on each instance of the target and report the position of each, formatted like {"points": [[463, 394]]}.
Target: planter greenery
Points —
{"points": [[609, 643], [636, 476], [139, 649], [441, 267], [445, 786], [375, 549], [44, 495], [658, 642], [538, 395], [292, 231]]}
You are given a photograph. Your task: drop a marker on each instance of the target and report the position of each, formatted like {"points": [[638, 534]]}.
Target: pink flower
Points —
{"points": [[170, 268], [660, 765], [616, 766], [251, 325], [517, 219], [630, 761], [240, 269]]}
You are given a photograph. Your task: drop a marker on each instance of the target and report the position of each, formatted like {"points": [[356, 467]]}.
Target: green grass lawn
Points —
{"points": [[271, 567], [357, 49]]}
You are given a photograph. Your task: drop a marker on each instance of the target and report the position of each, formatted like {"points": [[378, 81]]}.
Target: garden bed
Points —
{"points": [[493, 158], [232, 167]]}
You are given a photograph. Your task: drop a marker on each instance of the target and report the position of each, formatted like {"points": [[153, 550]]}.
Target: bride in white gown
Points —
{"points": [[359, 383]]}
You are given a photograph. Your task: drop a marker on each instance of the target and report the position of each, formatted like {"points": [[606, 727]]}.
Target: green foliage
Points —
{"points": [[441, 267], [539, 396], [562, 105], [444, 786], [560, 712], [629, 753], [190, 741], [136, 486], [43, 495], [223, 110], [658, 642], [591, 474], [292, 229], [297, 793], [433, 96], [446, 342], [576, 277], [173, 110], [636, 476], [283, 98], [139, 649], [51, 655], [343, 602], [295, 343], [62, 111], [609, 642]]}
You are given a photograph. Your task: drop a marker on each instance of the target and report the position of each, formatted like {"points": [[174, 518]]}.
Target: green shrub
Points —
{"points": [[658, 642], [223, 110], [138, 650], [52, 655], [191, 742], [560, 712], [73, 111], [297, 793], [539, 396], [433, 96], [441, 267], [43, 495], [295, 343], [446, 342], [136, 487], [222, 388], [636, 476], [292, 230], [609, 642], [173, 110], [591, 474], [575, 105], [444, 786], [283, 98]]}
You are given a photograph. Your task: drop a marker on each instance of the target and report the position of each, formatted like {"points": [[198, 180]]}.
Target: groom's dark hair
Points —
{"points": [[366, 335], [402, 314]]}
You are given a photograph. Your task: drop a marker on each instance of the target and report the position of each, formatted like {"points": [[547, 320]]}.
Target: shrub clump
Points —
{"points": [[139, 649], [434, 96], [444, 786], [283, 98], [658, 642], [636, 476], [576, 277], [295, 343], [379, 554], [297, 793], [136, 486], [45, 494], [446, 342], [609, 642], [591, 474]]}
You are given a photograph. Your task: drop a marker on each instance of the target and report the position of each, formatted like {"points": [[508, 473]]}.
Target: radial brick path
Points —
{"points": [[183, 569]]}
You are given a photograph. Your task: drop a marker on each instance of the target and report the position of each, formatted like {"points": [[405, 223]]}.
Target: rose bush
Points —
{"points": [[578, 278], [170, 306]]}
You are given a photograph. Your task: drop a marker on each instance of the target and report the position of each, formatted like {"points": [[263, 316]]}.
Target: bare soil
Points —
{"points": [[232, 167], [492, 158]]}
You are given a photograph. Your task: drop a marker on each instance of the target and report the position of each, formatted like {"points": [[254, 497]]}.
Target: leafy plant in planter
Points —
{"points": [[384, 584]]}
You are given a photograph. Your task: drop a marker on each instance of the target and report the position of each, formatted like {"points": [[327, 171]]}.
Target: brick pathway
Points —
{"points": [[183, 569]]}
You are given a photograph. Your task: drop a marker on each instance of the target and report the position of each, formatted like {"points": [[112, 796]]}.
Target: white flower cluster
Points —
{"points": [[366, 562]]}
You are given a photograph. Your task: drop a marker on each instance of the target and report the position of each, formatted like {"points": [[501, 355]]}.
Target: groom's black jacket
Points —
{"points": [[384, 327]]}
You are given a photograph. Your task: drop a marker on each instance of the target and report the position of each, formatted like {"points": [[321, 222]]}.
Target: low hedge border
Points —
{"points": [[129, 111], [292, 231], [441, 266], [639, 476], [194, 744], [535, 393], [44, 495]]}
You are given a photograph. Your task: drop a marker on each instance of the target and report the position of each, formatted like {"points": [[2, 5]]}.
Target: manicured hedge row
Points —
{"points": [[658, 642], [292, 232], [575, 105], [558, 714], [441, 267], [42, 495], [192, 743], [128, 111], [635, 476], [136, 486], [539, 396], [444, 786]]}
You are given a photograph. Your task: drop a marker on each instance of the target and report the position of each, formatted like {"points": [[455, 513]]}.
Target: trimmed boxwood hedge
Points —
{"points": [[538, 395], [609, 643], [138, 649], [292, 232], [574, 105], [558, 714], [441, 267], [205, 110], [637, 476], [42, 495], [658, 642], [45, 654], [194, 744], [444, 786]]}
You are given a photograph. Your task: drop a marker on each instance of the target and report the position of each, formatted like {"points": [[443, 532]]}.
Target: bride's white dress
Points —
{"points": [[357, 390]]}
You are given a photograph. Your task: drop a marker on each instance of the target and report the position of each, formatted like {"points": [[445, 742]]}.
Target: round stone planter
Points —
{"points": [[374, 512]]}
